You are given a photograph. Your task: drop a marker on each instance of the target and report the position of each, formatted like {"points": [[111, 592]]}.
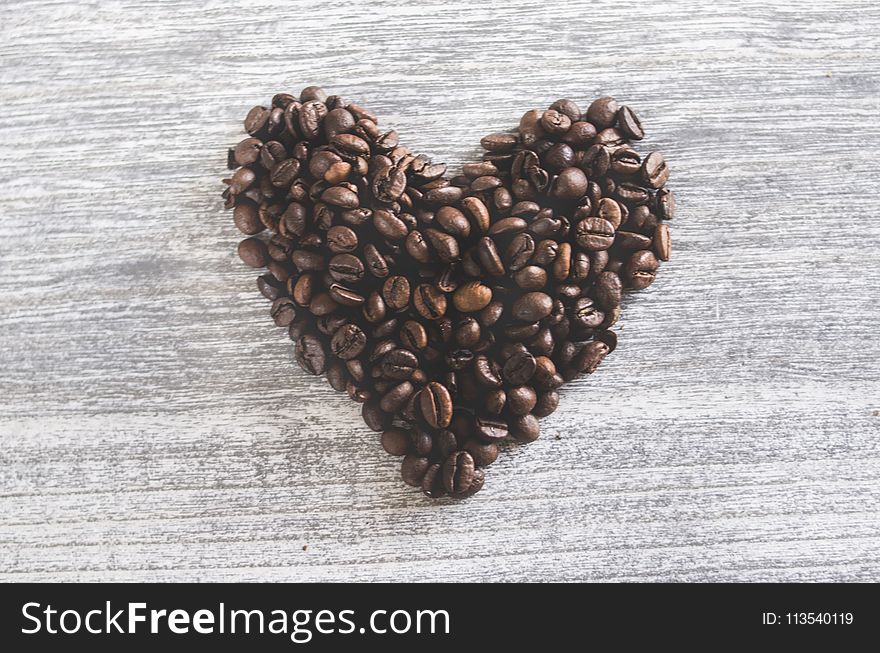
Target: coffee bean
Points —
{"points": [[395, 292], [629, 123], [395, 442], [444, 244], [570, 185], [252, 252], [432, 483], [521, 400], [436, 405], [247, 218], [490, 429], [429, 302], [256, 120], [519, 368], [399, 364], [310, 354], [413, 469], [413, 335], [607, 290], [590, 356], [602, 112], [555, 122], [471, 297], [525, 428], [640, 270], [395, 399], [283, 311], [348, 342], [532, 306], [629, 240], [654, 170], [665, 204], [662, 242], [594, 234], [531, 277], [486, 372], [458, 472]]}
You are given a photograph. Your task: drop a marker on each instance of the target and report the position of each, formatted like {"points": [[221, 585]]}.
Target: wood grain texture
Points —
{"points": [[152, 426]]}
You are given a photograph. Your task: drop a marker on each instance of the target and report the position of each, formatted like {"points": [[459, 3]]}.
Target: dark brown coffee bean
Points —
{"points": [[531, 277], [525, 428], [654, 170], [482, 453], [346, 268], [453, 221], [471, 297], [348, 342], [607, 290], [429, 302], [283, 311], [486, 372], [308, 261], [413, 469], [436, 405], [555, 122], [489, 257], [571, 184], [665, 204], [501, 142], [458, 472], [374, 417], [508, 226], [247, 218], [395, 442], [628, 240], [532, 306], [395, 292], [413, 336], [395, 399], [587, 314], [444, 245], [590, 356], [640, 270], [628, 122], [519, 368], [521, 400], [594, 234], [310, 354], [490, 429], [662, 242], [252, 252], [399, 364], [432, 483], [603, 112]]}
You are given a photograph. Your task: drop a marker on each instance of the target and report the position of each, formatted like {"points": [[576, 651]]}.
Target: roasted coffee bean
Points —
{"points": [[628, 240], [486, 372], [531, 277], [519, 368], [594, 234], [429, 302], [413, 469], [607, 290], [521, 400], [399, 364], [458, 472], [665, 204], [270, 287], [490, 429], [555, 122], [654, 170], [587, 314], [444, 244], [532, 306], [252, 252], [310, 354], [395, 399], [395, 292], [256, 120], [662, 242], [602, 112], [395, 442], [590, 356], [640, 270], [525, 428], [348, 342], [247, 218], [570, 184], [436, 405], [432, 483], [345, 296], [471, 297], [628, 122], [413, 336]]}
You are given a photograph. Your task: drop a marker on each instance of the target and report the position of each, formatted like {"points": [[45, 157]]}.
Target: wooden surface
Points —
{"points": [[152, 426]]}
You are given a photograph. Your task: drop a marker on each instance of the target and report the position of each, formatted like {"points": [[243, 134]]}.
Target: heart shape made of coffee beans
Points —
{"points": [[452, 309]]}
